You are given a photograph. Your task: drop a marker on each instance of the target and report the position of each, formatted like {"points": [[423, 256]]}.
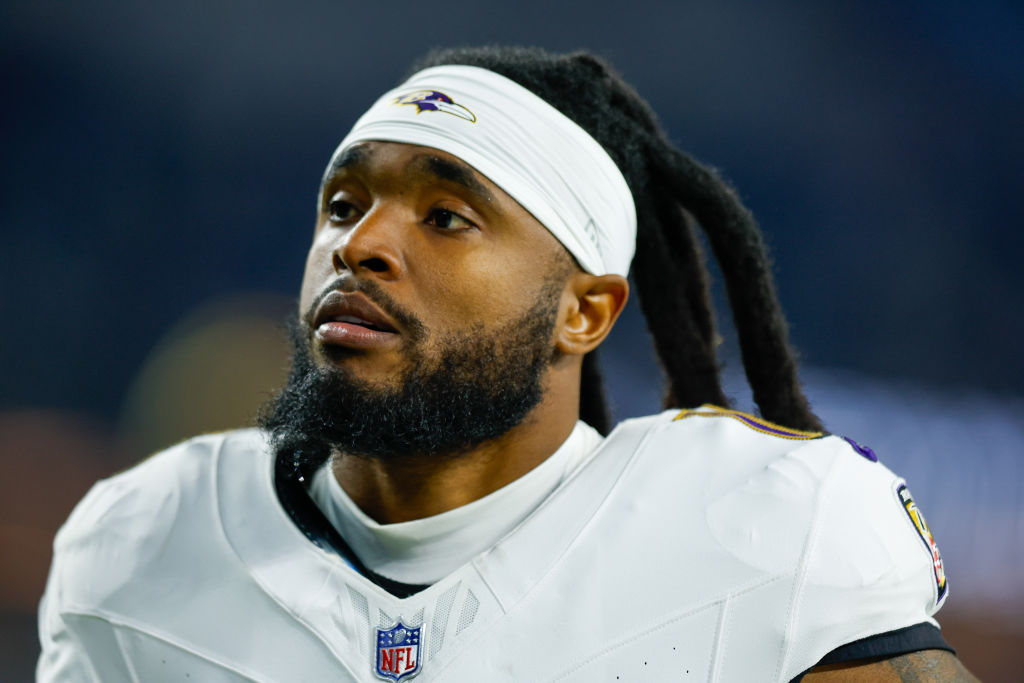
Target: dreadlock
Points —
{"points": [[672, 193]]}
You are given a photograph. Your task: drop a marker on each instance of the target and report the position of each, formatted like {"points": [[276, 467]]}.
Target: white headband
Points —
{"points": [[529, 149]]}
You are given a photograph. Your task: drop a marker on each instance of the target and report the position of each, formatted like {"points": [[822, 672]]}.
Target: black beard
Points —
{"points": [[481, 386]]}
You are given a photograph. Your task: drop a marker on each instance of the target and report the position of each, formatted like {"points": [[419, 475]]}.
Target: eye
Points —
{"points": [[449, 220], [339, 210]]}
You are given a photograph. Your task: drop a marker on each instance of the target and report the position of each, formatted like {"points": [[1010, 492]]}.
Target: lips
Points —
{"points": [[350, 319]]}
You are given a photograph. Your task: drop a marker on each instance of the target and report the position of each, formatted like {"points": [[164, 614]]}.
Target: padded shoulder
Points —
{"points": [[729, 444], [124, 522], [815, 507]]}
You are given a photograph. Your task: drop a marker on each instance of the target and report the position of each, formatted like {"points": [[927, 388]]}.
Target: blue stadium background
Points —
{"points": [[159, 168]]}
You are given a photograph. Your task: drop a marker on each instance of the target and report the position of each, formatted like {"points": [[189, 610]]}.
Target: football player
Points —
{"points": [[437, 491]]}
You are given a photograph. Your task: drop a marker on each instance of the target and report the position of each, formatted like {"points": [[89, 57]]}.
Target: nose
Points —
{"points": [[372, 246]]}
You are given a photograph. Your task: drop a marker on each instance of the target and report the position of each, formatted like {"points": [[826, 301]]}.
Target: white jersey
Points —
{"points": [[704, 546]]}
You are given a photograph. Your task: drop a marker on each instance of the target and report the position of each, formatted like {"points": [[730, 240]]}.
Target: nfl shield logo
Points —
{"points": [[398, 652]]}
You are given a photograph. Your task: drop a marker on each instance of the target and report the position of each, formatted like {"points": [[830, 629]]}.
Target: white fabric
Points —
{"points": [[533, 152], [696, 545], [424, 551]]}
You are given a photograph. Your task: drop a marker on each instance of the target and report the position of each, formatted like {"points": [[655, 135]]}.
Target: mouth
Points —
{"points": [[352, 320]]}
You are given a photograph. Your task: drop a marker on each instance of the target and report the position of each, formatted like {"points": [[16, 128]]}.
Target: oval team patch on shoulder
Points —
{"points": [[752, 421], [917, 519]]}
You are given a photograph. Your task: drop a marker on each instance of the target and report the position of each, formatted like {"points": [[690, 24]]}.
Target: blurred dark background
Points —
{"points": [[160, 164]]}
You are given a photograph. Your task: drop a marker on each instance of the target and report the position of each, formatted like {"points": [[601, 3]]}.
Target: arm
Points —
{"points": [[916, 667]]}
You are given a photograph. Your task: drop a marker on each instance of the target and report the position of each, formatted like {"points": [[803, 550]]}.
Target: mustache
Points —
{"points": [[376, 294]]}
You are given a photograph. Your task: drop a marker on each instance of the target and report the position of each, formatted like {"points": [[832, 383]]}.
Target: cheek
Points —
{"points": [[318, 274], [479, 290], [442, 297]]}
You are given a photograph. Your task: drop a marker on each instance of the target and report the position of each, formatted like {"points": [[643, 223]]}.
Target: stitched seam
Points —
{"points": [[128, 664], [718, 645], [640, 635], [138, 628], [299, 617], [507, 609], [632, 639], [596, 511], [801, 576], [81, 648]]}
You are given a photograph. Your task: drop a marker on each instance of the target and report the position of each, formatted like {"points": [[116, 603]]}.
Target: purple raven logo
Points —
{"points": [[432, 100], [398, 652]]}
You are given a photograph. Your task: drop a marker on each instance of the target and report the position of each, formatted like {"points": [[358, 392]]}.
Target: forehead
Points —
{"points": [[411, 161]]}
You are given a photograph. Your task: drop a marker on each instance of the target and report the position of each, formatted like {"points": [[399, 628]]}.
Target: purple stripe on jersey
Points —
{"points": [[749, 420], [863, 450], [763, 426]]}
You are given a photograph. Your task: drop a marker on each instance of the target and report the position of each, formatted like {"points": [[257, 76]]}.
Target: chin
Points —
{"points": [[349, 364]]}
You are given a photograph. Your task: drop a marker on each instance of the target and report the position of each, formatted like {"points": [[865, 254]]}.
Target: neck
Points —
{"points": [[421, 486]]}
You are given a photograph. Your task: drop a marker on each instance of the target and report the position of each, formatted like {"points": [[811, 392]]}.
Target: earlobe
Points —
{"points": [[595, 305]]}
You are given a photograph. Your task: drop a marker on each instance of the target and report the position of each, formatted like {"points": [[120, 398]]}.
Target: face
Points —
{"points": [[427, 313], [420, 247]]}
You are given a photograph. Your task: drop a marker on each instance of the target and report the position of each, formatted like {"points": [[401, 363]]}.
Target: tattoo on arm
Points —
{"points": [[925, 666], [929, 665]]}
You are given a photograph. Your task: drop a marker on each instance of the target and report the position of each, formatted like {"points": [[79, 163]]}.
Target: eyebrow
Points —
{"points": [[353, 156], [453, 172]]}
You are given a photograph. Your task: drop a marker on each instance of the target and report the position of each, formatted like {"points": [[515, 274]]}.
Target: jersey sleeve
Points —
{"points": [[76, 647], [871, 565], [117, 527], [62, 657]]}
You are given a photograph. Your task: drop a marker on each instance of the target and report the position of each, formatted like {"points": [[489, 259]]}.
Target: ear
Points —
{"points": [[592, 304]]}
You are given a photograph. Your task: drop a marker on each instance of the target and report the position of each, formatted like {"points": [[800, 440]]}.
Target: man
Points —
{"points": [[424, 500]]}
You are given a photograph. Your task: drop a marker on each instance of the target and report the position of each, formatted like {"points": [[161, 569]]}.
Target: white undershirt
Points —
{"points": [[423, 551]]}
